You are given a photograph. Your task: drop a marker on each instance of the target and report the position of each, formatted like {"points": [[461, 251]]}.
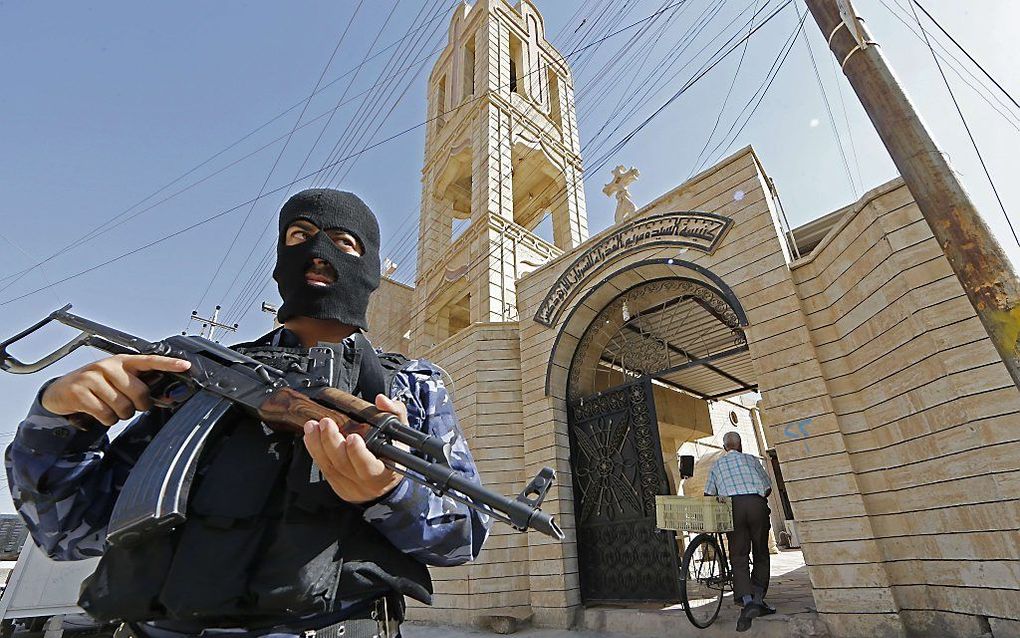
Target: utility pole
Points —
{"points": [[211, 324], [975, 255]]}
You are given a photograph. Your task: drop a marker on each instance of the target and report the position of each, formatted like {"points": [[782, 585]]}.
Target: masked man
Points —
{"points": [[311, 535]]}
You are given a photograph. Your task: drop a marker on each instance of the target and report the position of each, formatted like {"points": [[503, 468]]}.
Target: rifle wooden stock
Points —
{"points": [[287, 410]]}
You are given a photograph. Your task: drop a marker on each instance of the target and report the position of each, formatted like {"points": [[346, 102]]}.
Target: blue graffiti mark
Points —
{"points": [[802, 426]]}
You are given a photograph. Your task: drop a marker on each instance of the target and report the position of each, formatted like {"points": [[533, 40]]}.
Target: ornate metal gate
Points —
{"points": [[617, 470]]}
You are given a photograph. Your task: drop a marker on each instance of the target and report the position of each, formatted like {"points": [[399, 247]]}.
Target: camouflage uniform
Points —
{"points": [[64, 481]]}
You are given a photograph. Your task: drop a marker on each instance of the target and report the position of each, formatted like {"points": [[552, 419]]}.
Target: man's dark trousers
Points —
{"points": [[750, 533]]}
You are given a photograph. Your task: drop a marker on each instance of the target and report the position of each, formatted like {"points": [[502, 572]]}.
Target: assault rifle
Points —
{"points": [[155, 494]]}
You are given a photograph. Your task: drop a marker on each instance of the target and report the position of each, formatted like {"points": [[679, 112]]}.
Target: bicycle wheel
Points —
{"points": [[703, 581]]}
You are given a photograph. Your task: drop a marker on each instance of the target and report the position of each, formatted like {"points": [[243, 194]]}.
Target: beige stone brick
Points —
{"points": [[873, 599]]}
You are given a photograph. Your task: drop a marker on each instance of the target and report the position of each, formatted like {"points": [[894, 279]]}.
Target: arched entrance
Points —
{"points": [[665, 336]]}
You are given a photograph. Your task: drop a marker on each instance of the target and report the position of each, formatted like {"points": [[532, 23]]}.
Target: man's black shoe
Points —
{"points": [[767, 609], [748, 612]]}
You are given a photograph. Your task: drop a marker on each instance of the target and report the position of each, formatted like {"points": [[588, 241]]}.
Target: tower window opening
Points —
{"points": [[533, 29], [453, 317], [469, 68], [554, 99], [544, 228], [516, 66], [441, 102]]}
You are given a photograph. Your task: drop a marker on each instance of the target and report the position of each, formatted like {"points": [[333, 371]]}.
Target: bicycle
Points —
{"points": [[705, 573], [705, 576]]}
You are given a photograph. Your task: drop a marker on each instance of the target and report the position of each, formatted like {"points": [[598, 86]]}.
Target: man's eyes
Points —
{"points": [[345, 241], [300, 235]]}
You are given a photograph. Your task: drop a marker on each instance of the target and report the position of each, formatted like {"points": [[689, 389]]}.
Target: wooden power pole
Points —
{"points": [[975, 255]]}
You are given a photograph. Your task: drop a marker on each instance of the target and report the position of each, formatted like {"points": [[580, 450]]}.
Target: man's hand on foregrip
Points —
{"points": [[355, 474], [109, 389]]}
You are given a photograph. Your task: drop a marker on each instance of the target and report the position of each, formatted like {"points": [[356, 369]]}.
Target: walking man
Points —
{"points": [[742, 477]]}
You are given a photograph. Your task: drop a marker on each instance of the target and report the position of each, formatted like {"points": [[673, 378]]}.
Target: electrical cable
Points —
{"points": [[687, 85], [698, 28], [232, 145], [722, 107], [573, 52], [408, 237], [828, 109], [105, 227], [340, 172], [964, 51], [760, 93], [322, 131], [959, 68], [600, 77], [639, 61], [360, 116], [653, 86], [21, 250], [838, 79], [277, 189], [966, 126], [258, 278], [279, 156]]}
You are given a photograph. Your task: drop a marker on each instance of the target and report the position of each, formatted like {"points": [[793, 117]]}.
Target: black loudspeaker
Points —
{"points": [[686, 466]]}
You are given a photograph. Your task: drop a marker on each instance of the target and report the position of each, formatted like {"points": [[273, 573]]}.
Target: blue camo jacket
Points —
{"points": [[64, 482]]}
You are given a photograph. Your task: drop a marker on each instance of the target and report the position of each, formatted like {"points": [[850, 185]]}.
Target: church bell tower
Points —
{"points": [[502, 169]]}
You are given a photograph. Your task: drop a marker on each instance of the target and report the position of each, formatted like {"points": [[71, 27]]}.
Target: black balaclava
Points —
{"points": [[346, 300]]}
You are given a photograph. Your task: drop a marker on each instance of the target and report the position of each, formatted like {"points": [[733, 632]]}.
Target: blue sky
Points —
{"points": [[104, 103]]}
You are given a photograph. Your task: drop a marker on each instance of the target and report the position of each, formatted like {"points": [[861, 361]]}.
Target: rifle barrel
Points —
{"points": [[521, 515]]}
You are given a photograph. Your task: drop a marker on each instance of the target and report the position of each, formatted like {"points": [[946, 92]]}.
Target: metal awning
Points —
{"points": [[690, 340]]}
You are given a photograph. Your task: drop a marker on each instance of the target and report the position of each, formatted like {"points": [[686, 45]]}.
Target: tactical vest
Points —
{"points": [[266, 538]]}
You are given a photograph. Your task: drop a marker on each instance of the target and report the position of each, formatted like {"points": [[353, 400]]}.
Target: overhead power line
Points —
{"points": [[286, 185], [966, 126], [725, 101], [1009, 114], [279, 156], [256, 281], [747, 112], [828, 110], [651, 88], [607, 77], [322, 131], [966, 53], [119, 218]]}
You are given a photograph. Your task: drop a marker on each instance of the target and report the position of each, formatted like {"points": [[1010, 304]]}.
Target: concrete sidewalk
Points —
{"points": [[789, 592]]}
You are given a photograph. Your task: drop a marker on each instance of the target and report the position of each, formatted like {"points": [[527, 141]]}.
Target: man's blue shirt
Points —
{"points": [[737, 473]]}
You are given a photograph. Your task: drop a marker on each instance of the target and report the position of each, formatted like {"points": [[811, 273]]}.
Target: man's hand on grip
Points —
{"points": [[108, 389], [355, 474]]}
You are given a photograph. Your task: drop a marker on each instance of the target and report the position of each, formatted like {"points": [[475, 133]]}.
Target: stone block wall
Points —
{"points": [[927, 414], [483, 361], [389, 316]]}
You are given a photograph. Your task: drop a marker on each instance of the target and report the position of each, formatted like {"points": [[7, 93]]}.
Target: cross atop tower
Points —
{"points": [[501, 160], [622, 178]]}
